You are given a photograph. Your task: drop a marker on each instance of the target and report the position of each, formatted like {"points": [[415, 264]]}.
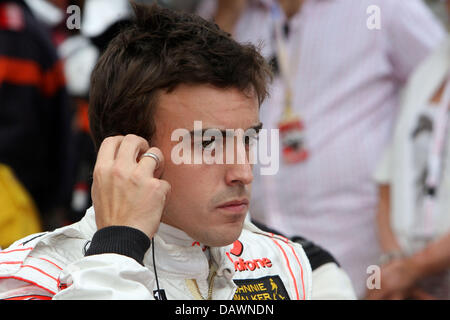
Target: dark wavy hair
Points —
{"points": [[159, 50]]}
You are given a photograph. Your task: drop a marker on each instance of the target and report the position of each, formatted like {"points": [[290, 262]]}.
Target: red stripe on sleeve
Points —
{"points": [[289, 267], [39, 270], [29, 281], [29, 297], [14, 250]]}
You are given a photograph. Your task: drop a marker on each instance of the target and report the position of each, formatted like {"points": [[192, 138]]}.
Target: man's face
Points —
{"points": [[199, 191]]}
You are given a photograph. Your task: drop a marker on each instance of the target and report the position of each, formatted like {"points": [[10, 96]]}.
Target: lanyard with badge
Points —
{"points": [[435, 165], [291, 125]]}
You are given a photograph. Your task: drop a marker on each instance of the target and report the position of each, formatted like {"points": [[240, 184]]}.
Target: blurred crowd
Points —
{"points": [[360, 94]]}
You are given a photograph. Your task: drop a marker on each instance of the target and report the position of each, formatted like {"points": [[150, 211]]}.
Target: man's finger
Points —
{"points": [[148, 166], [129, 150], [108, 149]]}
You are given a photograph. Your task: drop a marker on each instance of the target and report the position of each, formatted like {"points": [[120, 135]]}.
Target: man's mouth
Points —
{"points": [[235, 206]]}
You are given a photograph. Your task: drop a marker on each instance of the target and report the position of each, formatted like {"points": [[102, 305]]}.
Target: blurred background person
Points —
{"points": [[414, 187], [35, 131], [100, 22], [334, 100]]}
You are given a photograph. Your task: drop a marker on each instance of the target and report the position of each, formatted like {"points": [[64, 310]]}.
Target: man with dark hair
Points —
{"points": [[162, 229]]}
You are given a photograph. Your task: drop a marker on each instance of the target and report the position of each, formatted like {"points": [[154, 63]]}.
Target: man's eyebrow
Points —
{"points": [[256, 128]]}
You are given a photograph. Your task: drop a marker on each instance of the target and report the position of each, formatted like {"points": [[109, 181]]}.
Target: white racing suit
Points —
{"points": [[258, 266]]}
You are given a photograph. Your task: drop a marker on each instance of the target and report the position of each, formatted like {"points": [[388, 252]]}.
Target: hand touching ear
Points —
{"points": [[126, 190]]}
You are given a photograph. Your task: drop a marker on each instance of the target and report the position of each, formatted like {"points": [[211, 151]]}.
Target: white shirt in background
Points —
{"points": [[404, 165]]}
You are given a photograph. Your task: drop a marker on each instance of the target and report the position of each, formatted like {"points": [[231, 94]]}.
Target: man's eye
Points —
{"points": [[208, 143], [251, 140]]}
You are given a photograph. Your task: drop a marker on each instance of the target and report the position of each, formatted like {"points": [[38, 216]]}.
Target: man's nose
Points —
{"points": [[240, 171], [239, 174]]}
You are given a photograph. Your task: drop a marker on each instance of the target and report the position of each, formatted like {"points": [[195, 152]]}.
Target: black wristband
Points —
{"points": [[122, 240]]}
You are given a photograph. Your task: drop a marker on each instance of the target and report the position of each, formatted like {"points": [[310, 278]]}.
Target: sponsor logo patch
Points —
{"points": [[251, 265], [265, 288], [237, 249], [246, 265]]}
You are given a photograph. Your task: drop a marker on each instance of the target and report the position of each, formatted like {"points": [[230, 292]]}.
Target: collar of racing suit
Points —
{"points": [[177, 255]]}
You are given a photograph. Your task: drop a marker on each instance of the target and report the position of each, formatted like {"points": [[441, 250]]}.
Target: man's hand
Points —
{"points": [[397, 281], [126, 190]]}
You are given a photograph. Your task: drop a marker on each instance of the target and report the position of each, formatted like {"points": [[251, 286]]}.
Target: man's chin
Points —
{"points": [[224, 236]]}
